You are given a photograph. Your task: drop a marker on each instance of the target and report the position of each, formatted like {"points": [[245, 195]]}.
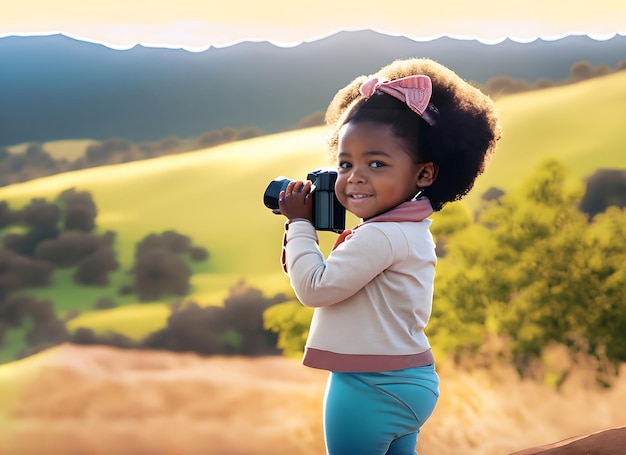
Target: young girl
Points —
{"points": [[406, 141]]}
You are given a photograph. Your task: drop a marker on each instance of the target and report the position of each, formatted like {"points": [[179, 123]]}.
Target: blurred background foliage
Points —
{"points": [[529, 271], [177, 252]]}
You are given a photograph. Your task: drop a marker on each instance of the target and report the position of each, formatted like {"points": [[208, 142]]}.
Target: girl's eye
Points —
{"points": [[377, 164], [344, 165]]}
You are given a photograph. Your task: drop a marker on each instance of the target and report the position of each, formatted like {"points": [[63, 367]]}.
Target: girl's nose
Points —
{"points": [[356, 176]]}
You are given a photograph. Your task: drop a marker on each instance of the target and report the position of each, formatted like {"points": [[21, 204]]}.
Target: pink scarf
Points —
{"points": [[417, 210]]}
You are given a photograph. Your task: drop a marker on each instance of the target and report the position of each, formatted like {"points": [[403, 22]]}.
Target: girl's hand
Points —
{"points": [[297, 200]]}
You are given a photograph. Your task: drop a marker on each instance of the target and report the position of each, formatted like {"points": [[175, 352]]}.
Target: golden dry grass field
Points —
{"points": [[97, 400]]}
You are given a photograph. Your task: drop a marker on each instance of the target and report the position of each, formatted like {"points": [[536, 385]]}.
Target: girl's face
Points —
{"points": [[375, 169]]}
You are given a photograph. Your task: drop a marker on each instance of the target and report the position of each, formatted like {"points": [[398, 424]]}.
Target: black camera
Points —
{"points": [[328, 213]]}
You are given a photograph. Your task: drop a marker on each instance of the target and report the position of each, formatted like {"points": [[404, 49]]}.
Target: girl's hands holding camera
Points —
{"points": [[297, 200]]}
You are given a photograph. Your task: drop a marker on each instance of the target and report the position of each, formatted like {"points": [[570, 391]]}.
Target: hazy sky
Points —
{"points": [[199, 24]]}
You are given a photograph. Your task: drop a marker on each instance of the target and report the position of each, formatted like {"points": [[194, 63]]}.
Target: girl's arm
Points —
{"points": [[318, 282]]}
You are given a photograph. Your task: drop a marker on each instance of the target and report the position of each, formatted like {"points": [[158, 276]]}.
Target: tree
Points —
{"points": [[111, 151], [7, 216], [213, 138], [19, 272], [243, 314], [42, 219], [94, 269], [314, 119], [46, 331], [533, 271], [291, 321], [159, 273], [40, 214], [38, 157], [583, 70], [160, 268], [69, 248], [80, 210], [504, 85], [236, 328], [169, 240], [606, 187], [606, 323]]}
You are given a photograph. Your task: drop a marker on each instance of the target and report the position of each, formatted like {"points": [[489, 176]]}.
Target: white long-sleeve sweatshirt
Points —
{"points": [[372, 295]]}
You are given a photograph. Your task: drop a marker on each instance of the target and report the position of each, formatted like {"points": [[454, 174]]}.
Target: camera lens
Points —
{"points": [[270, 197]]}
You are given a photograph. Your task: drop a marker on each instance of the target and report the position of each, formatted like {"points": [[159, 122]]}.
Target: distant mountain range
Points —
{"points": [[54, 87]]}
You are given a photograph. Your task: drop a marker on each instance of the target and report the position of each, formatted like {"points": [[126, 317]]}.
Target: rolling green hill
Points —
{"points": [[582, 125], [215, 195]]}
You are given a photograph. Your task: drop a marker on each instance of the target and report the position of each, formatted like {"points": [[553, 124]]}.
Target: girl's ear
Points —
{"points": [[426, 174]]}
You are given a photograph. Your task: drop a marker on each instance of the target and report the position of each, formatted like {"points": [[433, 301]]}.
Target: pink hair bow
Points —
{"points": [[415, 91]]}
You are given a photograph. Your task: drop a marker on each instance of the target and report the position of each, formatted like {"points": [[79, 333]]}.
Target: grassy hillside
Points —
{"points": [[215, 195], [580, 124]]}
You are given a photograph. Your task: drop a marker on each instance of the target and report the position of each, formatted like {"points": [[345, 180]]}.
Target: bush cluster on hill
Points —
{"points": [[505, 85], [59, 235], [44, 236], [235, 328], [36, 162]]}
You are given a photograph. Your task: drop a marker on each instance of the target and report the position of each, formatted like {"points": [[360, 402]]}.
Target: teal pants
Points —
{"points": [[378, 413]]}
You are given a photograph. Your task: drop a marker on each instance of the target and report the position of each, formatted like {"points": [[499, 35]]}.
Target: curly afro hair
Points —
{"points": [[459, 144]]}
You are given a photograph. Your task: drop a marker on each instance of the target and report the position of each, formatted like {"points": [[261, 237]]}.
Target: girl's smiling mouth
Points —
{"points": [[358, 196]]}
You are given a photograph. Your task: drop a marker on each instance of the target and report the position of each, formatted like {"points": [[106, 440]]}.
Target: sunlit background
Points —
{"points": [[99, 370]]}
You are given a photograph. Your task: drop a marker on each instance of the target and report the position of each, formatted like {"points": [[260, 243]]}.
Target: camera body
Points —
{"points": [[328, 213]]}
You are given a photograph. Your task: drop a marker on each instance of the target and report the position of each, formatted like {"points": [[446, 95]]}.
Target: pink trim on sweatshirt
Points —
{"points": [[364, 363]]}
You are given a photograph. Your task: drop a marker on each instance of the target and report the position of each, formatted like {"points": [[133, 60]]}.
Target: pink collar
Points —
{"points": [[416, 211]]}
